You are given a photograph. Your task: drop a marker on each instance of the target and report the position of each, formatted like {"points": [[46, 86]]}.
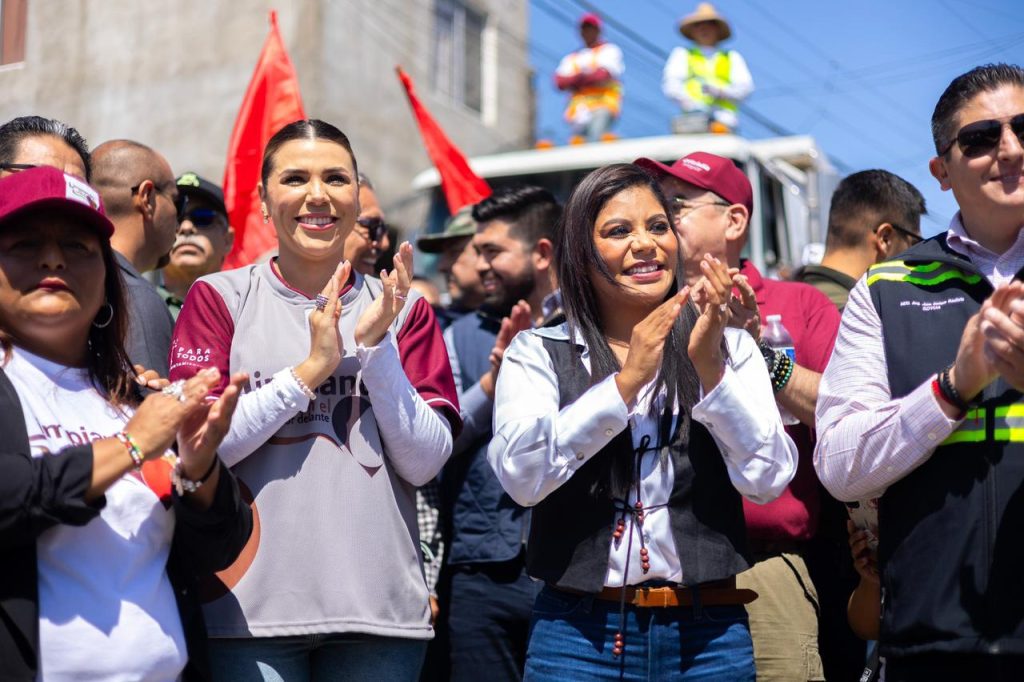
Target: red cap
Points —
{"points": [[48, 189], [590, 18], [707, 171]]}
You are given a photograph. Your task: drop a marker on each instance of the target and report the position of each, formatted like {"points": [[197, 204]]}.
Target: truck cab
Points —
{"points": [[791, 176]]}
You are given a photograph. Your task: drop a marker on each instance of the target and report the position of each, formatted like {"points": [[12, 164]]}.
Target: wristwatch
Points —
{"points": [[768, 353]]}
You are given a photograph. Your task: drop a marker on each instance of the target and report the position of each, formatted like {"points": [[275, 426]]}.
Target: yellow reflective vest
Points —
{"points": [[716, 71]]}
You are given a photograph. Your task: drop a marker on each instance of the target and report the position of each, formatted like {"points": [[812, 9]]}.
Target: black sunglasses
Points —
{"points": [[375, 228], [912, 236], [180, 199], [979, 138], [202, 218]]}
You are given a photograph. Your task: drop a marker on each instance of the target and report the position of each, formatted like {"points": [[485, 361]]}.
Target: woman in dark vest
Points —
{"points": [[632, 430]]}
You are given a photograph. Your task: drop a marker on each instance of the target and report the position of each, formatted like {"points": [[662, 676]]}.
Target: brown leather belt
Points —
{"points": [[716, 593]]}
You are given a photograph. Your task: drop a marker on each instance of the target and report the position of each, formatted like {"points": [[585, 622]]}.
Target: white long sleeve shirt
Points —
{"points": [[866, 439], [537, 447]]}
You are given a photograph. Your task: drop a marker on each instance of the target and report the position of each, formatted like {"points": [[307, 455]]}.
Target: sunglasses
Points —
{"points": [[912, 236], [376, 229], [180, 199], [981, 137], [202, 218]]}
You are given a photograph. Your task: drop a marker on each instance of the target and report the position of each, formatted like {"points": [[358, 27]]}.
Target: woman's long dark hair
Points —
{"points": [[107, 362], [577, 258]]}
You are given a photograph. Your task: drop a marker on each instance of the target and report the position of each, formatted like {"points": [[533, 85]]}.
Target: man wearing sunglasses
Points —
{"points": [[203, 241], [142, 200], [921, 406], [874, 216], [365, 244]]}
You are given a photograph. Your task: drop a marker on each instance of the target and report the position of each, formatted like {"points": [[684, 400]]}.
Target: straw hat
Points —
{"points": [[705, 12]]}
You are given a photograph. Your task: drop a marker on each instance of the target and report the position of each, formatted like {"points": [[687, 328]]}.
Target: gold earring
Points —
{"points": [[266, 217]]}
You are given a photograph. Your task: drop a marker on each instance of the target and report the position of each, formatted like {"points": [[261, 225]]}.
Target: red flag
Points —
{"points": [[271, 102], [460, 184]]}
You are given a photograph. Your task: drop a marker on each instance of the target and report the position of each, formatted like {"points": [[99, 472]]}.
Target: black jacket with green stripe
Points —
{"points": [[951, 531]]}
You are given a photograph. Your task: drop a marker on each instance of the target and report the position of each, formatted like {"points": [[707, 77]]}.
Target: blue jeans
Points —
{"points": [[317, 658], [572, 636]]}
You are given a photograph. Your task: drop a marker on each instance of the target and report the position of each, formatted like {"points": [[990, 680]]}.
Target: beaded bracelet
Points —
{"points": [[302, 384], [949, 392], [782, 371], [186, 485], [132, 447]]}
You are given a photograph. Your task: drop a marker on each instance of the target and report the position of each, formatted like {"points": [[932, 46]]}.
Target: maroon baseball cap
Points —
{"points": [[590, 18], [708, 171], [47, 189]]}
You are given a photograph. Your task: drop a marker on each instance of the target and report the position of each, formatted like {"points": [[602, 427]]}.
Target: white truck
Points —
{"points": [[792, 179]]}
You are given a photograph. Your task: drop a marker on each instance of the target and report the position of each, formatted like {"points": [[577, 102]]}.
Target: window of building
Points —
{"points": [[458, 53], [12, 31]]}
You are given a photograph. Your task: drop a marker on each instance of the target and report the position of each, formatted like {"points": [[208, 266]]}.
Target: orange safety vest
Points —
{"points": [[605, 96]]}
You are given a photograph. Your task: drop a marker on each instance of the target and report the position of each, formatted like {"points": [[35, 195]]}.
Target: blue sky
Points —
{"points": [[861, 77]]}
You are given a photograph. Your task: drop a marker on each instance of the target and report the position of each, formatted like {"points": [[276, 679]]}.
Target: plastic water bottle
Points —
{"points": [[778, 337]]}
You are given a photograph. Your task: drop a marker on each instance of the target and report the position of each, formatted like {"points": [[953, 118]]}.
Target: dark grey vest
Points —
{"points": [[951, 531], [571, 531]]}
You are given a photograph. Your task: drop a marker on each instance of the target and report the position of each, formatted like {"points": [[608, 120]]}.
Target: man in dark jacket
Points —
{"points": [[491, 595]]}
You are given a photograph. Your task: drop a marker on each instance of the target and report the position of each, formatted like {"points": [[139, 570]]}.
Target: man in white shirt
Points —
{"points": [[920, 400], [705, 78]]}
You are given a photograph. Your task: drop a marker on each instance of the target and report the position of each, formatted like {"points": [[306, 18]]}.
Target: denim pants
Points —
{"points": [[317, 658], [571, 638]]}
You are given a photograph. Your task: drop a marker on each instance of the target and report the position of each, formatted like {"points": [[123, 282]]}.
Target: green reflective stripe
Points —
{"points": [[1014, 410], [971, 430], [965, 436], [1010, 435], [909, 276]]}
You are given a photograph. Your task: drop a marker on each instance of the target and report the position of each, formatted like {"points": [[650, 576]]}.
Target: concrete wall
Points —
{"points": [[172, 75]]}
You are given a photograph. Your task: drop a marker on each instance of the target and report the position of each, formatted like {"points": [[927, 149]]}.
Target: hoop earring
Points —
{"points": [[110, 317]]}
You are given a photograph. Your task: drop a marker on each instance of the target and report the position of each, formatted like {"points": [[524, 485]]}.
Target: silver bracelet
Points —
{"points": [[302, 384], [185, 485]]}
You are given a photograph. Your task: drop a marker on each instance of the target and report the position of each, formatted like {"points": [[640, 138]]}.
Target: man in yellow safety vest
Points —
{"points": [[592, 76], [704, 78]]}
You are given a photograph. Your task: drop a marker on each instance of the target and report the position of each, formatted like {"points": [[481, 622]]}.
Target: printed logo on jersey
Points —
{"points": [[341, 414]]}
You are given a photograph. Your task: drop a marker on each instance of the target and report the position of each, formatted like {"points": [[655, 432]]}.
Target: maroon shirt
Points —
{"points": [[813, 322]]}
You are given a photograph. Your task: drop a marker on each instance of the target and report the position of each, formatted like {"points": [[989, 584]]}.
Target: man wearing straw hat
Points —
{"points": [[704, 78]]}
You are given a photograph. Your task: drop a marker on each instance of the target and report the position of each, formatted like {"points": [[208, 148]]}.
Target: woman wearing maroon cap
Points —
{"points": [[632, 430], [102, 528]]}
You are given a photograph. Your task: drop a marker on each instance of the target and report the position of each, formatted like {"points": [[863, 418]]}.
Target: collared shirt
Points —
{"points": [[537, 447], [866, 439], [829, 281]]}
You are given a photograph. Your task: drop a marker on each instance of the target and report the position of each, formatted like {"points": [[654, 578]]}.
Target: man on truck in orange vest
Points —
{"points": [[704, 78], [592, 76]]}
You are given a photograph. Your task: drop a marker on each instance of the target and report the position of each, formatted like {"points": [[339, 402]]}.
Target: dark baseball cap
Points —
{"points": [[45, 188], [193, 184], [708, 171], [459, 226]]}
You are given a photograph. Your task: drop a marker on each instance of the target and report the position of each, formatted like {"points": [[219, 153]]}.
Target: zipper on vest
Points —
{"points": [[991, 520]]}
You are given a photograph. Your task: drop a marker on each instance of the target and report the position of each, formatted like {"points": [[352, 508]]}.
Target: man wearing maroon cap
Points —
{"points": [[712, 201], [592, 77]]}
